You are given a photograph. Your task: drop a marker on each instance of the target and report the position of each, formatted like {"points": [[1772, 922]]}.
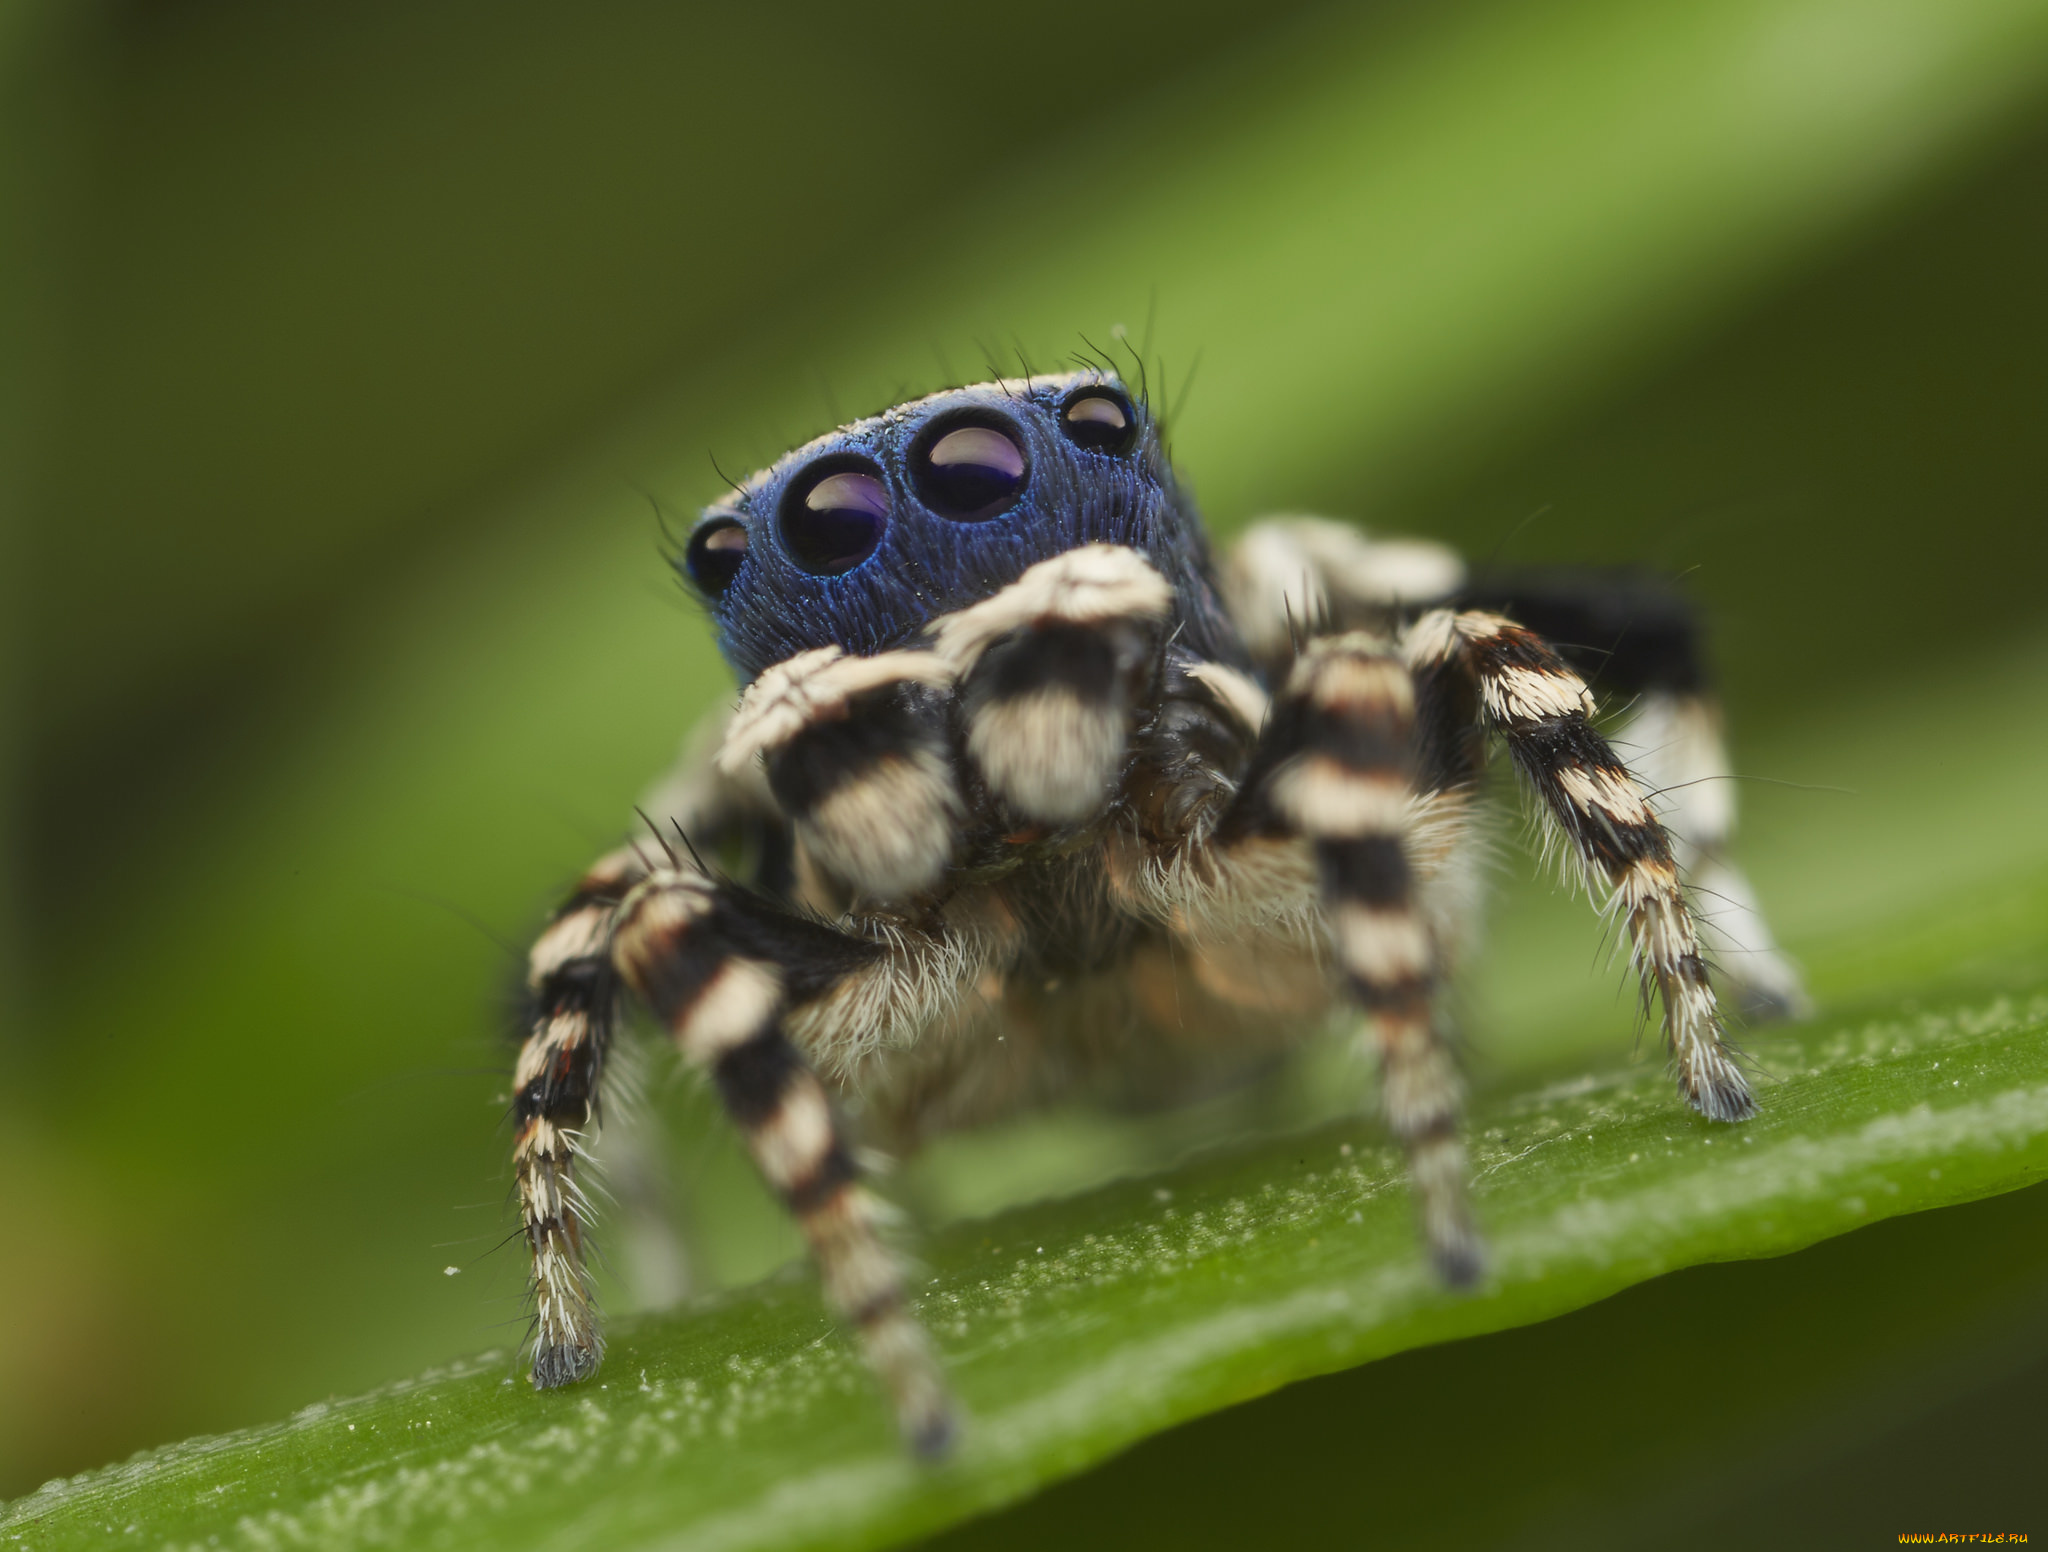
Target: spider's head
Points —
{"points": [[864, 536]]}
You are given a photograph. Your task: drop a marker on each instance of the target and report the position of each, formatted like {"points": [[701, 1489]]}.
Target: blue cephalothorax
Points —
{"points": [[863, 537]]}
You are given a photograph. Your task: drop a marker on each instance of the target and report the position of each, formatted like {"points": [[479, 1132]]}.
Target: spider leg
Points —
{"points": [[1340, 752], [1673, 741], [1525, 692], [1290, 576], [1637, 635], [574, 999], [723, 970], [729, 820], [1325, 839], [1051, 672], [856, 755], [572, 994]]}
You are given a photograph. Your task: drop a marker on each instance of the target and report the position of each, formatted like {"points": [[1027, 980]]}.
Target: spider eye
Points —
{"points": [[833, 517], [970, 472], [1099, 420], [714, 555]]}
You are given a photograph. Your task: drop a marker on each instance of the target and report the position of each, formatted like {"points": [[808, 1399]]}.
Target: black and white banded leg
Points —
{"points": [[1318, 844], [1049, 674], [1673, 743], [1636, 636], [856, 755], [574, 999], [1340, 753], [1289, 577], [723, 970], [1526, 693]]}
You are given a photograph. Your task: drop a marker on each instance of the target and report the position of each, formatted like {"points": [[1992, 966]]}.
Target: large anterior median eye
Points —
{"points": [[968, 472], [1100, 420], [834, 516], [714, 555]]}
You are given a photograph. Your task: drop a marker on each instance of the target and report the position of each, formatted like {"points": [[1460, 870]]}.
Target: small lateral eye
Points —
{"points": [[833, 517], [714, 555], [1099, 420], [970, 473]]}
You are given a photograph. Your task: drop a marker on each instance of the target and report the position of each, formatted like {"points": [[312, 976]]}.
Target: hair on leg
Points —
{"points": [[1343, 730], [722, 971], [574, 1000], [1050, 673], [856, 755], [1673, 743], [1636, 634], [1320, 840], [1527, 694], [731, 820], [1289, 576], [1623, 629]]}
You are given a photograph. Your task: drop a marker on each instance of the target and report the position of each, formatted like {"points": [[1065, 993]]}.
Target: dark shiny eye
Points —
{"points": [[1099, 420], [834, 516], [714, 555], [969, 472]]}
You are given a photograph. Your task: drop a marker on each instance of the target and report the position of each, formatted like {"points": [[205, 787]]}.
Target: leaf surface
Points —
{"points": [[1076, 1327]]}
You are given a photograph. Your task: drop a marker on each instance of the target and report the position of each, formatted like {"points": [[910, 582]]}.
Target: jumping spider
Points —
{"points": [[1026, 795]]}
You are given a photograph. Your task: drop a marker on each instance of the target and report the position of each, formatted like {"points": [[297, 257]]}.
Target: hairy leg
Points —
{"points": [[1326, 838], [1343, 738], [1289, 578], [574, 999], [1050, 673], [1526, 693], [1636, 635], [723, 971], [855, 753], [731, 820], [1673, 742]]}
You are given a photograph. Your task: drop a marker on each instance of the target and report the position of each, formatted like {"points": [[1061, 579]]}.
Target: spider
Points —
{"points": [[1026, 796]]}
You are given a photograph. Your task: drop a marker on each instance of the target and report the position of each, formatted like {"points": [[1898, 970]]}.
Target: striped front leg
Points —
{"points": [[573, 992], [1527, 694], [855, 753], [721, 969], [1343, 737], [1050, 673]]}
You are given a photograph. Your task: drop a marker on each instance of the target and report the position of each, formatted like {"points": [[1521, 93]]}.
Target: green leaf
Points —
{"points": [[1076, 1328]]}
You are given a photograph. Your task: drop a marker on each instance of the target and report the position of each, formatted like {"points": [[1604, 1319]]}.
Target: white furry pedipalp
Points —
{"points": [[1086, 586], [813, 687]]}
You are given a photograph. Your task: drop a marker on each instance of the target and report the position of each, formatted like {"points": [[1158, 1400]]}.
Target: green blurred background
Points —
{"points": [[356, 355]]}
